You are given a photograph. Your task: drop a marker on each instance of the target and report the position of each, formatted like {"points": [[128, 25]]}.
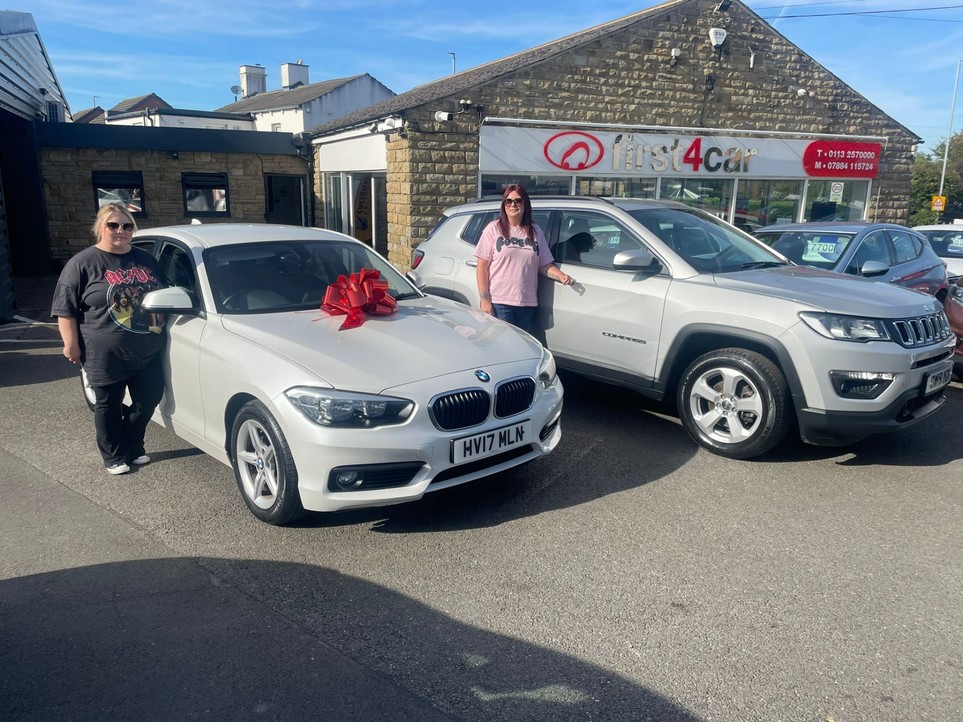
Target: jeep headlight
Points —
{"points": [[956, 293], [546, 369], [346, 409], [845, 328]]}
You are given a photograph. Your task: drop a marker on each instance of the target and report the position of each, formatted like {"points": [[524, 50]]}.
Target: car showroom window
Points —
{"points": [[126, 187], [206, 194], [906, 246]]}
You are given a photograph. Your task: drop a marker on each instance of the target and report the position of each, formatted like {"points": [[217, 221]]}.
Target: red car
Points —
{"points": [[954, 312]]}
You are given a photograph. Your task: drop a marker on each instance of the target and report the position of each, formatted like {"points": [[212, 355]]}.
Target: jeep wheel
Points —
{"points": [[734, 402]]}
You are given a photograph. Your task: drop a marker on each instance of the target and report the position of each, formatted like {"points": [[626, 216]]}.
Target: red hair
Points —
{"points": [[504, 225]]}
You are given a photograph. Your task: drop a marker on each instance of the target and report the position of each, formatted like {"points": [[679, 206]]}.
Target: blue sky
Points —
{"points": [[189, 51]]}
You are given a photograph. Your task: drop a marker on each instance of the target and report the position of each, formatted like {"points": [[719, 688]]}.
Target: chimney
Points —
{"points": [[294, 74], [253, 80]]}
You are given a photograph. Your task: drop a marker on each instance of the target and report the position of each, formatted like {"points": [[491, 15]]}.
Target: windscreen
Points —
{"points": [[707, 243], [947, 243], [290, 275], [820, 249]]}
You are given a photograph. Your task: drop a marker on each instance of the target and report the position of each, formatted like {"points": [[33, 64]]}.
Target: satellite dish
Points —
{"points": [[236, 89]]}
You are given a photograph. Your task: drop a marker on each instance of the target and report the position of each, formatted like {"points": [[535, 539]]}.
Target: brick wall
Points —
{"points": [[69, 196], [626, 78]]}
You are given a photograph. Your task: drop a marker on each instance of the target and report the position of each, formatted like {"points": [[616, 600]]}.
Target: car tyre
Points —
{"points": [[263, 466], [89, 397], [735, 403]]}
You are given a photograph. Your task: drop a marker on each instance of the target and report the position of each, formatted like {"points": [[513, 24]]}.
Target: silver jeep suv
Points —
{"points": [[679, 305]]}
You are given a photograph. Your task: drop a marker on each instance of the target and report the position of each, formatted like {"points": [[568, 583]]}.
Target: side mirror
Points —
{"points": [[170, 301], [416, 280], [873, 268], [640, 260]]}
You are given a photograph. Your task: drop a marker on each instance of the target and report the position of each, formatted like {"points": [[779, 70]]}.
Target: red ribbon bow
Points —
{"points": [[359, 294]]}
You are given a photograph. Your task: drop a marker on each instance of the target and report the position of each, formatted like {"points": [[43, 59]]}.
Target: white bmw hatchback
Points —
{"points": [[326, 386]]}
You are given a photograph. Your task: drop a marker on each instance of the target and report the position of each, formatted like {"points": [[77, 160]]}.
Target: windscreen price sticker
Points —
{"points": [[841, 159]]}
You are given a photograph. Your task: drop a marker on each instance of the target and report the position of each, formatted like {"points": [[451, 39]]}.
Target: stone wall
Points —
{"points": [[626, 78], [69, 193]]}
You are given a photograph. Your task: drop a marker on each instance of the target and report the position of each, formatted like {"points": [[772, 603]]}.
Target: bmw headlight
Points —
{"points": [[845, 328], [345, 409], [546, 369]]}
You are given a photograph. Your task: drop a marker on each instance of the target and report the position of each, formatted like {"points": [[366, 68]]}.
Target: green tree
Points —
{"points": [[925, 183]]}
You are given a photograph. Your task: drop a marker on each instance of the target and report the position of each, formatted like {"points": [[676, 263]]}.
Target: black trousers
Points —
{"points": [[121, 428]]}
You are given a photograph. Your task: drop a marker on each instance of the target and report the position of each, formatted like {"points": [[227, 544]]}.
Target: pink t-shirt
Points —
{"points": [[513, 273]]}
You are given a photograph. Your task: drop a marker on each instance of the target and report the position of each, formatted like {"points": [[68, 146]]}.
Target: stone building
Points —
{"points": [[165, 176], [698, 100], [64, 172]]}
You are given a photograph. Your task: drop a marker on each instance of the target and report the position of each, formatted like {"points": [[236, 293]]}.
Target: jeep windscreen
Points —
{"points": [[819, 249], [706, 243]]}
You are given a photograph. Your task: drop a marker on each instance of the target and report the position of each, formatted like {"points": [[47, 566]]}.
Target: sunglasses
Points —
{"points": [[514, 202], [128, 227]]}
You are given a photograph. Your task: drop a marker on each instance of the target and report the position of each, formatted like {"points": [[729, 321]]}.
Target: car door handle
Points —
{"points": [[472, 262]]}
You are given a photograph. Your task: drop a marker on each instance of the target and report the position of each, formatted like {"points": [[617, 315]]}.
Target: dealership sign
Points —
{"points": [[534, 150]]}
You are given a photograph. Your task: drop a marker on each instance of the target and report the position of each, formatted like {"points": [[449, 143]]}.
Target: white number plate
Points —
{"points": [[935, 381], [491, 442]]}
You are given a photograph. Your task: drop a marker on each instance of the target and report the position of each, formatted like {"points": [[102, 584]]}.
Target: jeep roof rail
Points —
{"points": [[553, 197]]}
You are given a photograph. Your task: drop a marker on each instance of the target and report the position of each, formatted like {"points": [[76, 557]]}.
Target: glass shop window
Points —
{"points": [[125, 187], [206, 194]]}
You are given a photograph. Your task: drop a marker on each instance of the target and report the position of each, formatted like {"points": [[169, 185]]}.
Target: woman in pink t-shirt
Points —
{"points": [[511, 253]]}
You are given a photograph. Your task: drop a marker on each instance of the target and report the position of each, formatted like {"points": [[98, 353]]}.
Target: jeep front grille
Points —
{"points": [[922, 330]]}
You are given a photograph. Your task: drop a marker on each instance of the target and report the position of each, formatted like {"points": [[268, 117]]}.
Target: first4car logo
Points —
{"points": [[573, 150]]}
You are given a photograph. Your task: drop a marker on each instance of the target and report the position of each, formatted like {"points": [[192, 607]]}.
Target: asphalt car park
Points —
{"points": [[628, 575]]}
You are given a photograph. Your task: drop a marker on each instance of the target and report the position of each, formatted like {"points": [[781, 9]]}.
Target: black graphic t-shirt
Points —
{"points": [[104, 292]]}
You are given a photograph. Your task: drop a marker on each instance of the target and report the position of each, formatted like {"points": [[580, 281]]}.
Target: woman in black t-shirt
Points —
{"points": [[97, 305]]}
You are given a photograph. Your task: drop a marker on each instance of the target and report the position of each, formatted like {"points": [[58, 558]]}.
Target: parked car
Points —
{"points": [[954, 312], [315, 417], [679, 305], [947, 241], [881, 251]]}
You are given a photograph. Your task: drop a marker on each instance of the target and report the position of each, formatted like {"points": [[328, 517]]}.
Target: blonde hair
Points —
{"points": [[104, 213]]}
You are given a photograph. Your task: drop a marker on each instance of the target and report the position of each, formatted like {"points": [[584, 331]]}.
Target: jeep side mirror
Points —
{"points": [[639, 260]]}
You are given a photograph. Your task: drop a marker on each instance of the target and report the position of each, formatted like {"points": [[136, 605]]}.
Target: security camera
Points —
{"points": [[717, 36], [802, 92], [442, 117]]}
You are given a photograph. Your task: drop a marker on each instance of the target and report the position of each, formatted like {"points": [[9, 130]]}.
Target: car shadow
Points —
{"points": [[249, 639], [34, 368], [612, 440], [932, 442]]}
